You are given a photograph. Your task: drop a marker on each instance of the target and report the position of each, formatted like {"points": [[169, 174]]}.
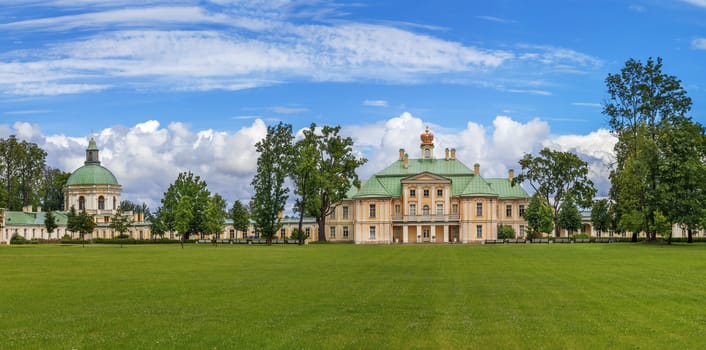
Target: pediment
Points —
{"points": [[425, 177]]}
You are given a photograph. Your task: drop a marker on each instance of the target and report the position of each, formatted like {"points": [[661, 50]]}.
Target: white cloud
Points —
{"points": [[531, 92], [700, 3], [234, 45], [699, 43], [148, 156], [587, 104], [375, 103], [288, 110]]}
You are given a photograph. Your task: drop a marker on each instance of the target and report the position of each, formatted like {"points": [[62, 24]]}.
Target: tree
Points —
{"points": [[336, 168], [215, 216], [120, 224], [272, 168], [683, 174], [157, 226], [306, 180], [538, 216], [21, 169], [600, 216], [505, 231], [555, 176], [73, 223], [50, 222], [241, 218], [186, 188], [663, 226], [642, 102], [569, 215], [86, 225], [52, 189]]}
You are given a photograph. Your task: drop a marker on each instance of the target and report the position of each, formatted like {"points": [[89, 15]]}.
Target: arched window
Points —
{"points": [[114, 203], [425, 210], [101, 203], [81, 203]]}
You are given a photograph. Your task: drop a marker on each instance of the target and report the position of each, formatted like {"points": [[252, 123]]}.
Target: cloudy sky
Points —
{"points": [[167, 86]]}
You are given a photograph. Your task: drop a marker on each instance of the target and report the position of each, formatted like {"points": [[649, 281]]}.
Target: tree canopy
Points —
{"points": [[273, 166], [555, 176], [241, 217], [184, 206]]}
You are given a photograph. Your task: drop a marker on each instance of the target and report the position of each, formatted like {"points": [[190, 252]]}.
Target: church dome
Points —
{"points": [[92, 174]]}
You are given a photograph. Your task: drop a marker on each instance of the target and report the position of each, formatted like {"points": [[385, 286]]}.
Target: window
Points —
{"points": [[307, 232], [232, 234], [454, 208], [283, 233], [440, 193], [397, 209], [425, 210], [479, 231], [412, 209], [508, 211], [412, 193], [115, 206], [426, 193], [479, 209], [522, 210], [522, 230], [371, 234], [372, 210], [345, 212], [439, 209], [332, 232], [81, 203], [101, 203], [345, 231]]}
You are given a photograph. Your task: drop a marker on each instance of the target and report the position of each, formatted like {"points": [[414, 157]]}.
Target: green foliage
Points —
{"points": [[22, 166], [662, 225], [73, 222], [569, 215], [273, 166], [555, 176], [184, 206], [600, 215], [306, 180], [50, 221], [52, 189], [120, 223], [505, 232], [336, 168], [17, 239], [658, 148], [539, 217], [86, 224], [580, 235], [215, 215], [241, 217]]}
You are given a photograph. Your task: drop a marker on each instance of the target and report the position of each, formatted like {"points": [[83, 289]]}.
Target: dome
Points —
{"points": [[92, 174]]}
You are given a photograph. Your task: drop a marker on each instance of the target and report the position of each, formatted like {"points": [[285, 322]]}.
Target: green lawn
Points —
{"points": [[591, 296]]}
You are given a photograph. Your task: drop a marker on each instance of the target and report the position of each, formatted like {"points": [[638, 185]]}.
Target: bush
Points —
{"points": [[582, 235], [66, 237], [17, 239], [505, 231]]}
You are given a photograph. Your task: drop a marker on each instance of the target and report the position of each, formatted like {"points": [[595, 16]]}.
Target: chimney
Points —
{"points": [[511, 174], [453, 153], [27, 209], [39, 209], [401, 153], [406, 161], [476, 169], [446, 153], [134, 217]]}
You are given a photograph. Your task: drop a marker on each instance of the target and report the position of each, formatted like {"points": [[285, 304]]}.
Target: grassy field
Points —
{"points": [[590, 296]]}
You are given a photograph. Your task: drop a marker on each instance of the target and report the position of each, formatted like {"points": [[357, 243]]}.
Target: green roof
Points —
{"points": [[22, 218], [92, 174], [387, 183], [92, 145]]}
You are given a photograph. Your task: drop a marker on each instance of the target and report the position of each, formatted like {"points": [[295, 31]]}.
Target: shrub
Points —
{"points": [[17, 239], [505, 231], [581, 235]]}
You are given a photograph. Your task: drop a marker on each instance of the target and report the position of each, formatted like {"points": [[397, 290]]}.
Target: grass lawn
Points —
{"points": [[590, 296]]}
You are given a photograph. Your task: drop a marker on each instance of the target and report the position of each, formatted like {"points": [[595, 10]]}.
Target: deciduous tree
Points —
{"points": [[241, 217], [538, 216], [569, 215], [273, 166], [120, 224], [215, 216], [600, 216], [556, 175]]}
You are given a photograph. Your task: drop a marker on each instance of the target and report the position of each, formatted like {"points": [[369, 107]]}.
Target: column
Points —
{"points": [[419, 233], [446, 233], [432, 233], [405, 234]]}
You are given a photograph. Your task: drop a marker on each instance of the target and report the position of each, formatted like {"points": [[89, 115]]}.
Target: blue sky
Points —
{"points": [[188, 71]]}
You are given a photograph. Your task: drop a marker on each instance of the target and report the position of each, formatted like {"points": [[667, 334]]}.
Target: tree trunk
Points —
{"points": [[322, 228], [634, 237], [690, 239]]}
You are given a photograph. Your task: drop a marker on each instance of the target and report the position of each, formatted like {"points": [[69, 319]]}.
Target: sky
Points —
{"points": [[170, 86]]}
